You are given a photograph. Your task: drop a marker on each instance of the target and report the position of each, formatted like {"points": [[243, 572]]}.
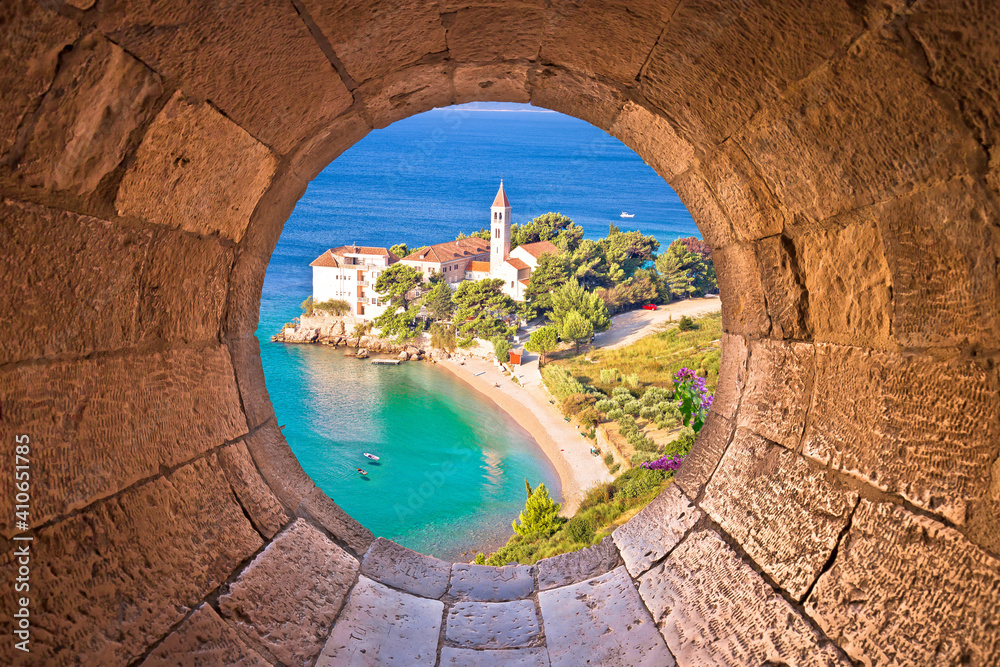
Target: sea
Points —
{"points": [[452, 469]]}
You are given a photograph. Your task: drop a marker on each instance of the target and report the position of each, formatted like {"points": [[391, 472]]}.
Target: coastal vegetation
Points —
{"points": [[653, 395]]}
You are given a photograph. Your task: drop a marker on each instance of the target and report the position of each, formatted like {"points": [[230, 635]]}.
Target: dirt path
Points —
{"points": [[631, 326]]}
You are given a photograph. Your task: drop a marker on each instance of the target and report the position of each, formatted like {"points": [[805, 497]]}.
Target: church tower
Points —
{"points": [[499, 229]]}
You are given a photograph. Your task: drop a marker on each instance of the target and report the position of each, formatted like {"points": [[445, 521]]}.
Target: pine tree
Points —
{"points": [[576, 328], [540, 515]]}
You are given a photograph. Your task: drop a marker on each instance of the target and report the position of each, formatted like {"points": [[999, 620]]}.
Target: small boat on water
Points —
{"points": [[371, 456], [362, 472], [627, 215]]}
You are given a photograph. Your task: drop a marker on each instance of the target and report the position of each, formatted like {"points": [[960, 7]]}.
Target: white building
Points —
{"points": [[349, 273]]}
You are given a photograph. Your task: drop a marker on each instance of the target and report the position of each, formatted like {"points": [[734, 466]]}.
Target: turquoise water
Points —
{"points": [[451, 477]]}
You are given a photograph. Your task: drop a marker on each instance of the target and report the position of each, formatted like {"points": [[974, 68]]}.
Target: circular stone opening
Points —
{"points": [[839, 158]]}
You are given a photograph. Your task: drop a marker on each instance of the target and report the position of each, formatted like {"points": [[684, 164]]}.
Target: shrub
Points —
{"points": [[596, 495], [501, 349], [609, 458], [631, 380], [615, 468], [640, 484], [588, 418], [641, 457], [333, 306], [609, 375], [621, 394], [617, 413], [605, 405], [640, 442], [443, 336], [560, 382], [654, 395], [632, 407], [686, 324], [648, 412], [576, 403], [682, 445], [580, 529], [626, 424]]}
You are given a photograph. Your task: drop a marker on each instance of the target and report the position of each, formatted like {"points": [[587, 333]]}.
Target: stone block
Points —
{"points": [[701, 202], [319, 507], [181, 178], [575, 566], [73, 282], [713, 609], [245, 353], [519, 657], [704, 457], [786, 514], [601, 621], [653, 137], [405, 93], [33, 39], [743, 194], [484, 34], [100, 96], [309, 159], [507, 82], [781, 278], [373, 39], [576, 95], [278, 465], [924, 429], [744, 309], [204, 640], [258, 502], [933, 606], [619, 36], [941, 246], [779, 385], [959, 41], [381, 626], [260, 65], [183, 289], [118, 576], [493, 625], [656, 530], [853, 142], [396, 566], [761, 52], [847, 279], [732, 375], [289, 595], [107, 423], [485, 583]]}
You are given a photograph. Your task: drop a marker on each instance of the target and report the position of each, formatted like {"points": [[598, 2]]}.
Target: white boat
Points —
{"points": [[627, 215], [371, 456]]}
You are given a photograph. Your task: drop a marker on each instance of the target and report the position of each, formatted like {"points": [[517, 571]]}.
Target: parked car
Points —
{"points": [[649, 306]]}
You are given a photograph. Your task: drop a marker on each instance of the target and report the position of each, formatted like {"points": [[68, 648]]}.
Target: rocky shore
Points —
{"points": [[336, 332]]}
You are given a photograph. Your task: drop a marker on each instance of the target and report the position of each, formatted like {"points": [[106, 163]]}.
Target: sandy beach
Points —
{"points": [[528, 404]]}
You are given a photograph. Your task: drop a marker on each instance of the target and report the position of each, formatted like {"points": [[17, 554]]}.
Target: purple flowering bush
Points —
{"points": [[693, 401], [667, 463]]}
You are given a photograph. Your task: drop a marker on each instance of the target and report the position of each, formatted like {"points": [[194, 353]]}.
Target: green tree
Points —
{"points": [[541, 514], [576, 328], [402, 323], [685, 273], [483, 234], [443, 336], [481, 306], [551, 272], [554, 227], [543, 340], [396, 282], [400, 250], [307, 306], [332, 306], [438, 301], [572, 296], [501, 349], [588, 263]]}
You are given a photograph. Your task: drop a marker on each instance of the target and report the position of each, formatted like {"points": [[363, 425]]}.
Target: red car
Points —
{"points": [[649, 306]]}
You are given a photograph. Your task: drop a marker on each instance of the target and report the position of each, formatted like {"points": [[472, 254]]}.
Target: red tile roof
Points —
{"points": [[478, 266], [539, 248], [517, 263], [501, 198], [334, 256], [446, 252], [524, 282]]}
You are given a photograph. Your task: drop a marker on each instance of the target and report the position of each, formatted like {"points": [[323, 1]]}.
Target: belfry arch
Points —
{"points": [[841, 159]]}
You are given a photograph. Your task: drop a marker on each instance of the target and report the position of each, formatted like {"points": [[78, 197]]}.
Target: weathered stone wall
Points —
{"points": [[843, 501]]}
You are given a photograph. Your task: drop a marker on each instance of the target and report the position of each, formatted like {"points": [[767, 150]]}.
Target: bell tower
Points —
{"points": [[499, 229]]}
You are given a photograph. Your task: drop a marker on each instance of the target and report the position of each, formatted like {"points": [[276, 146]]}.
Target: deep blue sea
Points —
{"points": [[451, 477]]}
